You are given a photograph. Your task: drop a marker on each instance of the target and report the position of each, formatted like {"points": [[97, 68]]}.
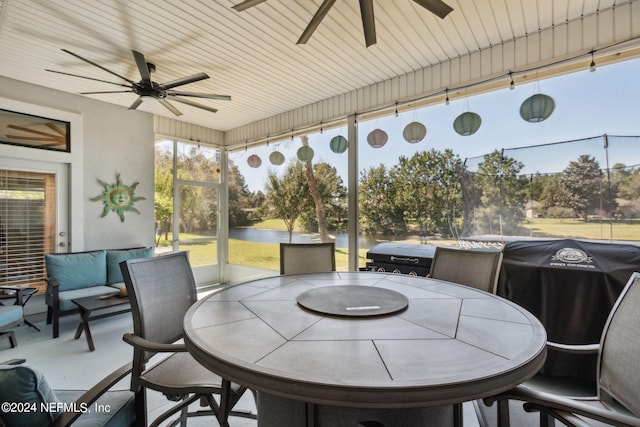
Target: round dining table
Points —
{"points": [[363, 348]]}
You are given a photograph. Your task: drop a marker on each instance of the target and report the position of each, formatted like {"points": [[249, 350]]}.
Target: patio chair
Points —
{"points": [[36, 404], [161, 289], [11, 315], [296, 258], [617, 399], [477, 268]]}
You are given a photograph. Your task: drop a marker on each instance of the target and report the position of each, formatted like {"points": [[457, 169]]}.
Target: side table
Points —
{"points": [[21, 296], [88, 305]]}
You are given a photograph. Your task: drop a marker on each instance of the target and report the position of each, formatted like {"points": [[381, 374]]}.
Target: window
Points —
{"points": [[192, 191]]}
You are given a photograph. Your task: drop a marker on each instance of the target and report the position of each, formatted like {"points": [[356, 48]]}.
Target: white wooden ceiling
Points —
{"points": [[252, 55]]}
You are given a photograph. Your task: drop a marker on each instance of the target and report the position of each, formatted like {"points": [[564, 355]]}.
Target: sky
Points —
{"points": [[587, 104]]}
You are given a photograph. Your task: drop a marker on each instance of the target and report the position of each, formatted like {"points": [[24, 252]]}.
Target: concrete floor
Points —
{"points": [[68, 364]]}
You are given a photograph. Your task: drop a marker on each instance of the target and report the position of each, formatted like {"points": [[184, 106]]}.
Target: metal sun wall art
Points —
{"points": [[118, 197]]}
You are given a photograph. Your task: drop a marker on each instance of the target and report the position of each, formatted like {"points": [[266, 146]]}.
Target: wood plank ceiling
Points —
{"points": [[252, 55]]}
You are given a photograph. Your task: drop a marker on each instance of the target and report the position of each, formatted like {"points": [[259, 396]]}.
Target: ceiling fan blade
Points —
{"points": [[368, 22], [315, 21], [246, 4], [99, 66], [183, 81], [143, 68], [194, 104], [88, 78], [437, 7], [106, 91], [136, 103], [199, 95], [29, 130], [169, 107], [56, 129], [34, 138]]}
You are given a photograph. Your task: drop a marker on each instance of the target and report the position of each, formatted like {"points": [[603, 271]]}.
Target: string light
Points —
{"points": [[446, 101], [592, 66], [512, 85]]}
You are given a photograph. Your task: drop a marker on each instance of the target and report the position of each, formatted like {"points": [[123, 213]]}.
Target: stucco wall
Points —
{"points": [[106, 139]]}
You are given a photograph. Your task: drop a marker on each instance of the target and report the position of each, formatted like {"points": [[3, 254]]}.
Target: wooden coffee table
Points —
{"points": [[88, 305]]}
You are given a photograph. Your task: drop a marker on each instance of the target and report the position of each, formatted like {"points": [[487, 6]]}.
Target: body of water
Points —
{"points": [[277, 236]]}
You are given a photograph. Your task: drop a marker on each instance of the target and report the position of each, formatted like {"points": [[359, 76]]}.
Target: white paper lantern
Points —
{"points": [[276, 158], [414, 132]]}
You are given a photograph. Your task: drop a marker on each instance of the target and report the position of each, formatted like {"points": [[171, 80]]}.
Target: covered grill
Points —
{"points": [[401, 258]]}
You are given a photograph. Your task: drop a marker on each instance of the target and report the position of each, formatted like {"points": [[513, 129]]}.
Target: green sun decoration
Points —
{"points": [[118, 197]]}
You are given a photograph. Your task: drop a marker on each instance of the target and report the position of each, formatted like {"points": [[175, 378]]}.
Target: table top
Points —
{"points": [[101, 301], [451, 344]]}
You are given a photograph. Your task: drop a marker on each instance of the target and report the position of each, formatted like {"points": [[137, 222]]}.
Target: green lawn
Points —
{"points": [[571, 228]]}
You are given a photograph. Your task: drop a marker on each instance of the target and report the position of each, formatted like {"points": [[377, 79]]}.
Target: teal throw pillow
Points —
{"points": [[115, 257], [77, 270]]}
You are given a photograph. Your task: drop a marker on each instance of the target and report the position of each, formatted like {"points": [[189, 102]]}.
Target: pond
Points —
{"points": [[278, 236]]}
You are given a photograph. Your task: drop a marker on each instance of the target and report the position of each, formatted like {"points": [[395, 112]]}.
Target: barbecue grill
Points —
{"points": [[401, 258]]}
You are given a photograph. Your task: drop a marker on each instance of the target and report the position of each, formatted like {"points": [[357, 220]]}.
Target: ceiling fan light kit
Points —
{"points": [[147, 88]]}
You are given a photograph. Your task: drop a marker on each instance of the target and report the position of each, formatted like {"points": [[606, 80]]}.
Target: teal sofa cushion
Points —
{"points": [[10, 314], [26, 386], [115, 257], [77, 270]]}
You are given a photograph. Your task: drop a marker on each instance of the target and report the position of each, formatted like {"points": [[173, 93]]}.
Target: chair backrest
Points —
{"points": [[477, 268], [298, 258], [619, 357], [161, 290]]}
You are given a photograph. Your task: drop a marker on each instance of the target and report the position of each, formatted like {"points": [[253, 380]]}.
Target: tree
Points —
{"points": [[321, 214], [503, 194], [240, 198], [378, 210], [583, 185], [332, 192], [428, 189], [287, 197]]}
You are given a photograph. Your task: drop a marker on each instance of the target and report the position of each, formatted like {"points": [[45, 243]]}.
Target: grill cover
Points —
{"points": [[570, 286], [402, 258]]}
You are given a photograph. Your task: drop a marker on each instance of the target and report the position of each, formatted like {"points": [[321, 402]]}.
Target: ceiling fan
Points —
{"points": [[148, 88], [437, 7]]}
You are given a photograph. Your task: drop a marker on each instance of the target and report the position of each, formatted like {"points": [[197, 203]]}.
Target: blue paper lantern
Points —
{"points": [[467, 123], [537, 108], [305, 153], [339, 144]]}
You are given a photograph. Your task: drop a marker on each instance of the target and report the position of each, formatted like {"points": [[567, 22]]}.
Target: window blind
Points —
{"points": [[27, 226]]}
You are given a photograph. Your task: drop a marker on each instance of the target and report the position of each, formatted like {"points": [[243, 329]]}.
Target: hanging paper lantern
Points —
{"points": [[377, 138], [339, 144], [276, 158], [467, 123], [537, 108], [254, 161], [305, 153], [414, 132]]}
